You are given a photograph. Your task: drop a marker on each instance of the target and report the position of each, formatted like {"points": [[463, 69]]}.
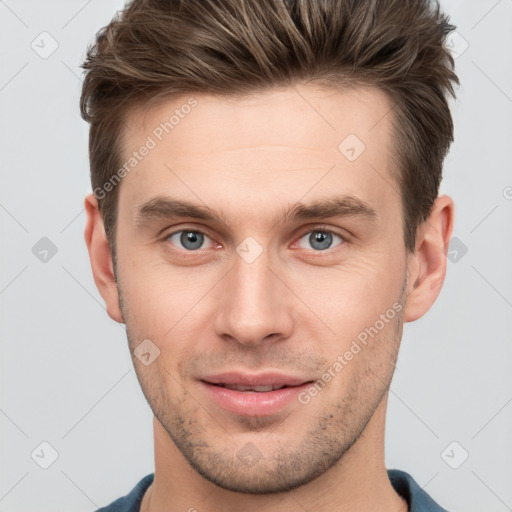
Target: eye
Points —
{"points": [[320, 239], [189, 239]]}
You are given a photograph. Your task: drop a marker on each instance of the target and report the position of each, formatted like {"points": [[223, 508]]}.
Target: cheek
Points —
{"points": [[348, 295], [158, 294], [352, 296], [166, 305]]}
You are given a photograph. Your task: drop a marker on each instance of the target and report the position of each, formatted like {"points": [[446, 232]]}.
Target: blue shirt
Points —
{"points": [[403, 483]]}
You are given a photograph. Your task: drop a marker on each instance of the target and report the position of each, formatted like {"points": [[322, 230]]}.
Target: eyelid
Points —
{"points": [[201, 231], [322, 229]]}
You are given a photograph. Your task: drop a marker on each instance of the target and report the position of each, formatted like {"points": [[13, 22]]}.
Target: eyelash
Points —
{"points": [[326, 230], [320, 229]]}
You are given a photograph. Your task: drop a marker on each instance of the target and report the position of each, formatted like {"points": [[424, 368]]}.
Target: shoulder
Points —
{"points": [[403, 483], [130, 502], [418, 500]]}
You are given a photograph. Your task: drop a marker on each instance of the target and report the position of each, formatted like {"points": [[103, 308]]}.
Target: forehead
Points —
{"points": [[263, 149]]}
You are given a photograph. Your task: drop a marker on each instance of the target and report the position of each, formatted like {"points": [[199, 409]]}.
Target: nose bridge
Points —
{"points": [[254, 304]]}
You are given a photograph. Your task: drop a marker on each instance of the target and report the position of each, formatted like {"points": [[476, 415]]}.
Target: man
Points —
{"points": [[265, 218]]}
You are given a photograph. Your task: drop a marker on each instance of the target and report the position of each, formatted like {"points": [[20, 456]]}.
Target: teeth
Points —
{"points": [[237, 387]]}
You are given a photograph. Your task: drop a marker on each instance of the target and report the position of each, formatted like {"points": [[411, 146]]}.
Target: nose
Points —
{"points": [[254, 306]]}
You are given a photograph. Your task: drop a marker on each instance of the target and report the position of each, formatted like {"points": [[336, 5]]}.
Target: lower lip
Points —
{"points": [[253, 403]]}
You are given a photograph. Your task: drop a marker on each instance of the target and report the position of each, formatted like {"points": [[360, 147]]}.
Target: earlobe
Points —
{"points": [[101, 259], [427, 266]]}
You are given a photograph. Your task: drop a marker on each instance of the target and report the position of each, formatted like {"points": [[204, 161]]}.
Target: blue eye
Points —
{"points": [[190, 240], [320, 240]]}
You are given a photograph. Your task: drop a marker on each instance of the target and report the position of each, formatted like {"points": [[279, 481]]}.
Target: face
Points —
{"points": [[291, 270]]}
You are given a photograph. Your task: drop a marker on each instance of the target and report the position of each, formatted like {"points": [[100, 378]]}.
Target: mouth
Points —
{"points": [[258, 389], [254, 381], [253, 395]]}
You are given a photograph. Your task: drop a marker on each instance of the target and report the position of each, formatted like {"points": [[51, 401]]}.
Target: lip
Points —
{"points": [[261, 379], [253, 403]]}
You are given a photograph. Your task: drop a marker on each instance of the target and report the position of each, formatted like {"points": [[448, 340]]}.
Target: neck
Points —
{"points": [[358, 481]]}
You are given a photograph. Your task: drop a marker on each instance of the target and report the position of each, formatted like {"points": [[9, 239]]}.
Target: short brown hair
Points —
{"points": [[155, 49]]}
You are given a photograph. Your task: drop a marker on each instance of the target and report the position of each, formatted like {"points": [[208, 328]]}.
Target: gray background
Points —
{"points": [[66, 375]]}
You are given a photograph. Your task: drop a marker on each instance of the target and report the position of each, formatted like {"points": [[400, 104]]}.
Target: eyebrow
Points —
{"points": [[166, 208]]}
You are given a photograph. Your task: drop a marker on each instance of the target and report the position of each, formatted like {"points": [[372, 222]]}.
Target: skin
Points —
{"points": [[294, 309]]}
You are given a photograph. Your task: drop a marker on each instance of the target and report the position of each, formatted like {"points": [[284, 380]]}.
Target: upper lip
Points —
{"points": [[253, 379]]}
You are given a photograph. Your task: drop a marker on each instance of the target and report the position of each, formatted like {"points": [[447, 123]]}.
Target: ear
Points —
{"points": [[101, 259], [427, 265]]}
